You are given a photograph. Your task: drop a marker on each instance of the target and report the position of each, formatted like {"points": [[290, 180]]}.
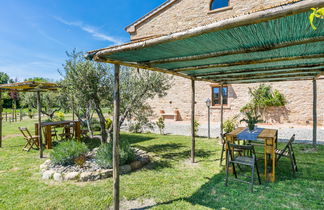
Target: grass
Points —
{"points": [[170, 180]]}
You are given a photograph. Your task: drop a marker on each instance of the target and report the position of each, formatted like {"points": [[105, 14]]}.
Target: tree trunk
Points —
{"points": [[102, 121]]}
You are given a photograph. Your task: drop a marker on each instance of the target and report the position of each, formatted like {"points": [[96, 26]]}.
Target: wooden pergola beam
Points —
{"points": [[235, 52], [224, 73], [268, 75], [249, 62], [266, 80]]}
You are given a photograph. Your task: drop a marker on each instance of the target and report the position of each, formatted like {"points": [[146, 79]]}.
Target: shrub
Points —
{"points": [[196, 127], [66, 152], [230, 124], [160, 124], [104, 154], [59, 116], [108, 123]]}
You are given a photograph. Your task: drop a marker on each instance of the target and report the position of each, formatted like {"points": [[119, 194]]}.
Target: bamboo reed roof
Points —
{"points": [[277, 44], [29, 86]]}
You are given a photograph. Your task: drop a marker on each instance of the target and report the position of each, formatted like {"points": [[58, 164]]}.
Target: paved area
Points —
{"points": [[304, 134]]}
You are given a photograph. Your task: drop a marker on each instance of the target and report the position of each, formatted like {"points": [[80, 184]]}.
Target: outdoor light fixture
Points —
{"points": [[208, 104]]}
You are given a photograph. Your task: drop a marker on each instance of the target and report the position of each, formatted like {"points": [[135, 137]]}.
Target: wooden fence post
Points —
{"points": [[193, 137], [116, 139]]}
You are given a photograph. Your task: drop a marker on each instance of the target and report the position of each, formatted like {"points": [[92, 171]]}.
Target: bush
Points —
{"points": [[160, 124], [59, 116], [196, 127], [66, 152], [104, 154], [108, 123], [230, 124]]}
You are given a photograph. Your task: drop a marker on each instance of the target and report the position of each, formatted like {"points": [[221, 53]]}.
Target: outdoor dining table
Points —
{"points": [[268, 136], [48, 130]]}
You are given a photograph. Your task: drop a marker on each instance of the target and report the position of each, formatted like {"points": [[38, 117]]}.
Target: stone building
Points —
{"points": [[179, 15]]}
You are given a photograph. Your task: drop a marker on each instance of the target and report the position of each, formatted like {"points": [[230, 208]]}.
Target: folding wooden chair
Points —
{"points": [[31, 140], [288, 152], [242, 160], [223, 141]]}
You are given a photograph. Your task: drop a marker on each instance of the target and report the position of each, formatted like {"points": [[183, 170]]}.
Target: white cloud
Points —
{"points": [[91, 30], [51, 38]]}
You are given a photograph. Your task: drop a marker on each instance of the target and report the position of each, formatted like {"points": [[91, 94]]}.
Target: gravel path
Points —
{"points": [[303, 133]]}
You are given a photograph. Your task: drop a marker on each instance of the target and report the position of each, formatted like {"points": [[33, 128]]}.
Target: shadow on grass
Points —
{"points": [[185, 154], [134, 138], [158, 148]]}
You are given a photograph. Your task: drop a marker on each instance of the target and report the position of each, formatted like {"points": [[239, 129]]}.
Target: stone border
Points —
{"points": [[48, 173]]}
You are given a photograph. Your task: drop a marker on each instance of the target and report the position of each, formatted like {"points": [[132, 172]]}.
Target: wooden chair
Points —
{"points": [[68, 132], [223, 141], [31, 140], [242, 160], [288, 152]]}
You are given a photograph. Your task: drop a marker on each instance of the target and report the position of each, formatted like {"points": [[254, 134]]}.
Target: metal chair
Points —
{"points": [[242, 160], [288, 152], [31, 140]]}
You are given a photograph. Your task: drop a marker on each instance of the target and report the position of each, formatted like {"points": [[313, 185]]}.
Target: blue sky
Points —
{"points": [[35, 34]]}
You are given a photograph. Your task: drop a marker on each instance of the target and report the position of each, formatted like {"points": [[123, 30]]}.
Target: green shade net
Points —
{"points": [[265, 34]]}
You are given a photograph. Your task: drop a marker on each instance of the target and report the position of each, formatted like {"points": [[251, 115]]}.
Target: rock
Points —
{"points": [[58, 177], [71, 176], [95, 176], [136, 165], [125, 169], [85, 176], [105, 173], [48, 174], [45, 165], [47, 162], [145, 160]]}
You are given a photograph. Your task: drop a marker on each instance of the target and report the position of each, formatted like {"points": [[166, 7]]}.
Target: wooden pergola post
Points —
{"points": [[72, 108], [314, 112], [193, 140], [39, 109], [116, 128], [222, 110], [1, 119]]}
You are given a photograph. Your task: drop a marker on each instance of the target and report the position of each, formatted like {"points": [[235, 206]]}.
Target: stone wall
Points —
{"points": [[187, 14], [298, 94]]}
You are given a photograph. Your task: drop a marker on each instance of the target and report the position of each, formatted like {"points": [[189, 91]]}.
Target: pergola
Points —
{"points": [[271, 45], [28, 86]]}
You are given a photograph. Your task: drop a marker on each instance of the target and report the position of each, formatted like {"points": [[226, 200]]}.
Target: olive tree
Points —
{"points": [[91, 85]]}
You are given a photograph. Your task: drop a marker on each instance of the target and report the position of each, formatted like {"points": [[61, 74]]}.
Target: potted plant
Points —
{"points": [[251, 119]]}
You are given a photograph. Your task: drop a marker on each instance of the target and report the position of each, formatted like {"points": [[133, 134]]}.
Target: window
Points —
{"points": [[216, 4], [216, 95]]}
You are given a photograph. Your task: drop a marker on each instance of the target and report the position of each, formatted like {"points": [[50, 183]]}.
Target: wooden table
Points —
{"points": [[48, 130], [269, 136]]}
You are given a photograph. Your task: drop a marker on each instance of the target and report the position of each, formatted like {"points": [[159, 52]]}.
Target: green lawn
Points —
{"points": [[171, 181]]}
